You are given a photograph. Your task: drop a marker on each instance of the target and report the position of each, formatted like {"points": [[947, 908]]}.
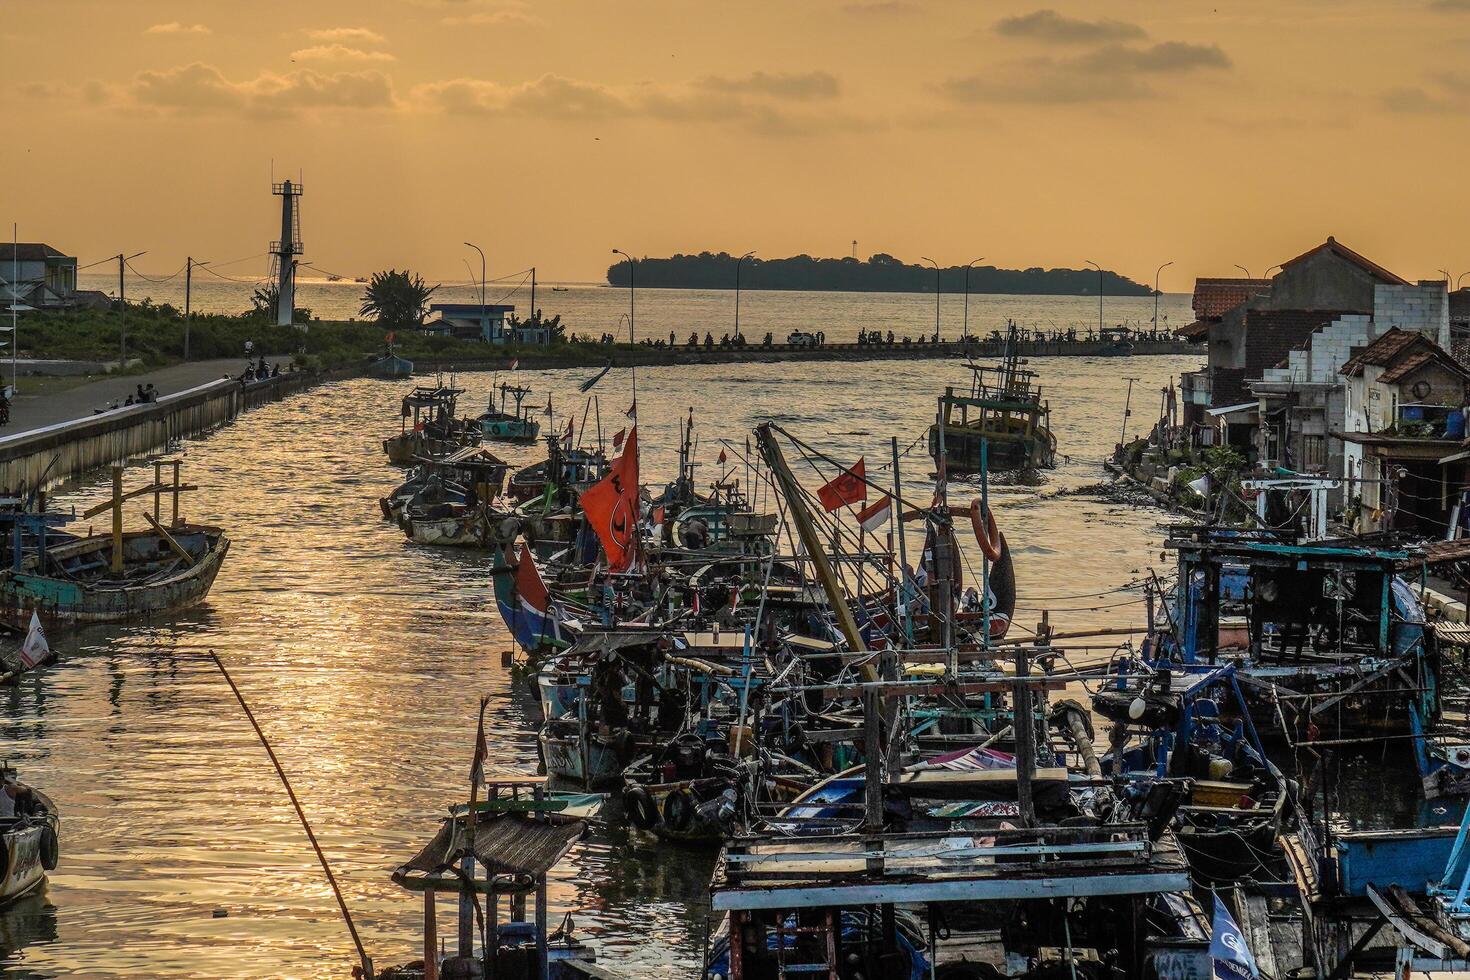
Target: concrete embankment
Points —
{"points": [[52, 453], [628, 356]]}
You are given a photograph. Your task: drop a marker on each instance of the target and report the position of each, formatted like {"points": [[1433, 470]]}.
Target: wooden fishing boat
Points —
{"points": [[563, 469], [513, 425], [29, 841], [120, 576], [390, 365], [429, 426], [460, 526], [1002, 419]]}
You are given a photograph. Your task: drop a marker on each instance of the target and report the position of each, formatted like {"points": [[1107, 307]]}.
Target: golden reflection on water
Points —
{"points": [[364, 658]]}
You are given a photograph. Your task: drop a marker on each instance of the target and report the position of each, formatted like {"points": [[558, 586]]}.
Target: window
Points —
{"points": [[1314, 452]]}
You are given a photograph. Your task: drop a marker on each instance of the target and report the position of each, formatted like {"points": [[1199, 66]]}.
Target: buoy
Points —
{"points": [[986, 533]]}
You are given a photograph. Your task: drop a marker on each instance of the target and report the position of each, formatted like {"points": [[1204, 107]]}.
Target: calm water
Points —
{"points": [[591, 310], [364, 657]]}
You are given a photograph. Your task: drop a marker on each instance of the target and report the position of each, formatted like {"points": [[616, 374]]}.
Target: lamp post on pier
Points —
{"points": [[618, 251], [936, 295], [737, 289], [484, 320], [966, 332], [1156, 291], [1099, 296]]}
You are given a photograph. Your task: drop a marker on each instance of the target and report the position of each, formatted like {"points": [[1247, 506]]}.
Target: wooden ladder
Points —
{"points": [[827, 930]]}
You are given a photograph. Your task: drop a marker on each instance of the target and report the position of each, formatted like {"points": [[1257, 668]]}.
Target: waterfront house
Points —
{"points": [[35, 275], [471, 321], [1405, 420]]}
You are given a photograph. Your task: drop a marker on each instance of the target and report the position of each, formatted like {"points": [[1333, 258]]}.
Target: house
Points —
{"points": [[471, 321], [1213, 299], [1404, 416], [33, 274]]}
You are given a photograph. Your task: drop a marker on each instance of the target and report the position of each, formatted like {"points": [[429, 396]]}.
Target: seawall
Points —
{"points": [[53, 453]]}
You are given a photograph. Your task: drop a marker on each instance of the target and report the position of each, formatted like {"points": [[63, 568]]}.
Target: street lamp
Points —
{"points": [[1156, 291], [1242, 269], [618, 251], [737, 290], [967, 295], [1099, 295], [936, 295], [484, 320], [1458, 278]]}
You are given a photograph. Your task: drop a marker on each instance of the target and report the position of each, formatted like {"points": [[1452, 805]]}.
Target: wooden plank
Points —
{"points": [[178, 549]]}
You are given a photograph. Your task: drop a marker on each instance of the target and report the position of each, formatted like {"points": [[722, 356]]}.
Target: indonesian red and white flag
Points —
{"points": [[514, 363], [567, 436], [35, 649], [848, 487], [618, 439], [875, 515]]}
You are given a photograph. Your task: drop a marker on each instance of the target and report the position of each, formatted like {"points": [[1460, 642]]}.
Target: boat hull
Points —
{"points": [[66, 599], [598, 763], [477, 529], [1006, 450]]}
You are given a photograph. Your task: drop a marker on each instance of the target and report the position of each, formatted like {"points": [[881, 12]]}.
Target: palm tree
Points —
{"points": [[396, 299]]}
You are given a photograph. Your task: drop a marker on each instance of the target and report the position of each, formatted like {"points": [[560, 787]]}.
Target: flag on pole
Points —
{"points": [[722, 458], [35, 649], [611, 507], [632, 411], [618, 439], [482, 750], [567, 436], [389, 338], [1231, 956], [874, 516], [514, 361], [848, 487]]}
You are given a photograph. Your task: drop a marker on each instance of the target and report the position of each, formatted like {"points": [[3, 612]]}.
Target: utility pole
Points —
{"points": [[188, 311], [1127, 411], [122, 302]]}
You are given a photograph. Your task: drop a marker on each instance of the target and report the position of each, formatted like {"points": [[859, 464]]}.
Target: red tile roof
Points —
{"points": [[1386, 349], [1193, 331], [1342, 251], [1418, 359], [1213, 298]]}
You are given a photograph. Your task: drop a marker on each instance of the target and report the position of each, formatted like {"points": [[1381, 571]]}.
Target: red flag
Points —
{"points": [[513, 362], [848, 487], [722, 458], [611, 506], [874, 516], [567, 436], [618, 439], [389, 338]]}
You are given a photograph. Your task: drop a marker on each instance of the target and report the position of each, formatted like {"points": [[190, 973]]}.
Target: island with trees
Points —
{"points": [[881, 273]]}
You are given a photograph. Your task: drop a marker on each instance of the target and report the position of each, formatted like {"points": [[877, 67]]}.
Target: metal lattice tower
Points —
{"points": [[285, 250]]}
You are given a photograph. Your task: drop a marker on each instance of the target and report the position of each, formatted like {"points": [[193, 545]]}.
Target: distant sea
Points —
{"points": [[593, 308]]}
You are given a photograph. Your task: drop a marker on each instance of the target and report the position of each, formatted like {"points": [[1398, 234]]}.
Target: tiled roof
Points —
{"points": [[1413, 362], [1193, 331], [1342, 251], [1213, 298], [1384, 351], [1270, 334]]}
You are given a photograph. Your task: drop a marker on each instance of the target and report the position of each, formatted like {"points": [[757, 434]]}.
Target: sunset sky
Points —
{"points": [[551, 131]]}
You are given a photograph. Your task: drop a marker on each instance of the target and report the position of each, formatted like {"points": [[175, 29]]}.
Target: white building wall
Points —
{"points": [[1423, 309]]}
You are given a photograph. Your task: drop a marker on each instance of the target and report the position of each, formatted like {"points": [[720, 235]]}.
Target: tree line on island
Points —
{"points": [[881, 273]]}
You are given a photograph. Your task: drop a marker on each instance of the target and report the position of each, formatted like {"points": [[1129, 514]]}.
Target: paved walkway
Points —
{"points": [[32, 411]]}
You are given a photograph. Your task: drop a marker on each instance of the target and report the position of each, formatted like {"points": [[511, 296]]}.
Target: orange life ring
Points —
{"points": [[983, 520]]}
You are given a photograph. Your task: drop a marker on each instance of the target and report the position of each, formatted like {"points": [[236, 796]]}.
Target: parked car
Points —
{"points": [[800, 338]]}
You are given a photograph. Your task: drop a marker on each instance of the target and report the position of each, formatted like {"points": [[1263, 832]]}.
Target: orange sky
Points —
{"points": [[551, 131]]}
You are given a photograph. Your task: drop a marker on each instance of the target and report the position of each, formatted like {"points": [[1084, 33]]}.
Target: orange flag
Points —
{"points": [[611, 506]]}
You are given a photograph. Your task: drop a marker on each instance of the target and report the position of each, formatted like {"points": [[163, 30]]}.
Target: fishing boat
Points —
{"points": [[118, 576], [429, 426], [390, 365], [1119, 342], [564, 469], [29, 840], [1000, 424], [515, 425]]}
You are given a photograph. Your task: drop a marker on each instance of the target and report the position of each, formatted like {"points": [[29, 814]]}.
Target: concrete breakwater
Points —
{"points": [[53, 453], [642, 356]]}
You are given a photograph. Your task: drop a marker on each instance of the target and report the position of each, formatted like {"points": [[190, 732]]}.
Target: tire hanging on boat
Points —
{"points": [[50, 848], [679, 809], [639, 806]]}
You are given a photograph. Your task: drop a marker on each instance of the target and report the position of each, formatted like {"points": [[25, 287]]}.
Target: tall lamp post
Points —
{"points": [[1099, 296], [967, 295], [1156, 290], [631, 286], [936, 295], [737, 290], [484, 320]]}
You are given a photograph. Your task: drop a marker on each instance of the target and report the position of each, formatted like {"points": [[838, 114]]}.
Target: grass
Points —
{"points": [[155, 335]]}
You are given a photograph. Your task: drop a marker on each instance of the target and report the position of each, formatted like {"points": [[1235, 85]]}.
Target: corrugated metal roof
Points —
{"points": [[508, 844]]}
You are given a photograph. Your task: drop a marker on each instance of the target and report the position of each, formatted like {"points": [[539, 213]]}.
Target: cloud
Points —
{"points": [[881, 8], [339, 52], [1048, 25], [804, 86], [1415, 101], [482, 12], [1450, 6], [201, 88], [771, 103], [346, 35], [1113, 73], [173, 27]]}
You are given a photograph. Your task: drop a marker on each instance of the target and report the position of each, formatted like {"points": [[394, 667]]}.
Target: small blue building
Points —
{"points": [[471, 321]]}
